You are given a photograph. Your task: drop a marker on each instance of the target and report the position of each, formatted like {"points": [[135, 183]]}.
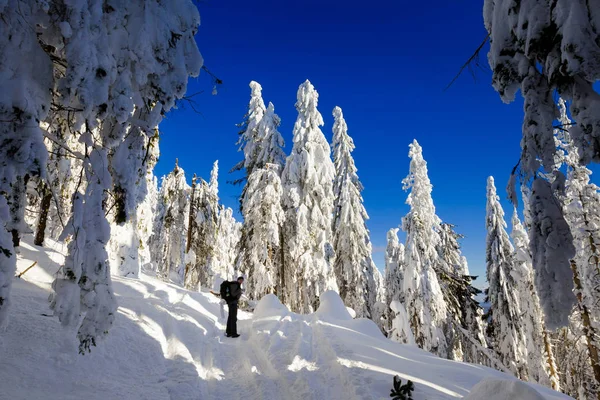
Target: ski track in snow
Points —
{"points": [[169, 343]]}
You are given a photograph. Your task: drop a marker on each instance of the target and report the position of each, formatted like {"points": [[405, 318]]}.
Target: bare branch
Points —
{"points": [[467, 64]]}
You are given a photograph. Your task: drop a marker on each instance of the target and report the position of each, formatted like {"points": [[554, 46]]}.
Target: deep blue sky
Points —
{"points": [[386, 64]]}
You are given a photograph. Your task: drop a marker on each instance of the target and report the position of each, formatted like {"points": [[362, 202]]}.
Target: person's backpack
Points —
{"points": [[225, 291]]}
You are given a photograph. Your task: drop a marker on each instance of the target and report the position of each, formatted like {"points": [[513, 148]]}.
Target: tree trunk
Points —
{"points": [[588, 330], [42, 221], [281, 290], [553, 373], [188, 244]]}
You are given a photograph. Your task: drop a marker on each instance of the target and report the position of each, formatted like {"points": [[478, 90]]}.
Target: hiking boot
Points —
{"points": [[234, 335]]}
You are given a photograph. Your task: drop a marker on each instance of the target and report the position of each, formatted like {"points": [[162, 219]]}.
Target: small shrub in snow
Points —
{"points": [[400, 391]]}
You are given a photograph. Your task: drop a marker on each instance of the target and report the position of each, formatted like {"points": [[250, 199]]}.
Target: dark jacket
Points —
{"points": [[235, 291]]}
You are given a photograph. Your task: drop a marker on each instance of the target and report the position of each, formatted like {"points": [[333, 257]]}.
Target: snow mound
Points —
{"points": [[332, 307], [351, 312], [366, 327], [269, 306], [500, 389]]}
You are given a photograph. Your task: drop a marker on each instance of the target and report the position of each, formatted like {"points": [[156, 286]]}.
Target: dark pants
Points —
{"points": [[232, 319]]}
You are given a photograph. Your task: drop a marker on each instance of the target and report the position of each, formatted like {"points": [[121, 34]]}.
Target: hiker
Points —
{"points": [[231, 293]]}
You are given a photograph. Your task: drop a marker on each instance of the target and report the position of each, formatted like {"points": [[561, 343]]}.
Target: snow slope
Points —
{"points": [[168, 343]]}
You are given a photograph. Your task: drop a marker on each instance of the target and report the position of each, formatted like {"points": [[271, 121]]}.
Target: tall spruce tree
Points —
{"points": [[261, 256], [308, 203], [522, 56], [168, 241], [506, 331], [263, 220], [424, 301], [353, 265], [465, 333], [541, 365]]}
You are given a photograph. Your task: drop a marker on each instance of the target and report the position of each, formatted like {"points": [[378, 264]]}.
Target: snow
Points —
{"points": [[168, 343], [496, 389], [332, 307]]}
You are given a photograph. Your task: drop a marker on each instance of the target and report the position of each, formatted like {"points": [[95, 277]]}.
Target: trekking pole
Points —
{"points": [[28, 268]]}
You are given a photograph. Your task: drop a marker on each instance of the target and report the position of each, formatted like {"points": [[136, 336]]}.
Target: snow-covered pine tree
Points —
{"points": [[581, 208], [465, 334], [271, 143], [203, 237], [394, 275], [573, 361], [507, 332], [308, 203], [26, 82], [167, 244], [353, 266], [249, 138], [131, 162], [551, 247], [424, 301], [522, 56], [146, 213], [227, 237], [541, 365], [263, 220], [106, 87]]}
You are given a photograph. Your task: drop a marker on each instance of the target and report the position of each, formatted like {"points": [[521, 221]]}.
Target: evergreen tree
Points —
{"points": [[581, 208], [424, 301], [263, 220], [549, 227], [506, 331], [353, 265], [249, 138], [523, 57], [465, 333], [270, 147], [394, 275], [540, 359], [308, 203], [167, 242], [226, 243], [204, 236], [260, 255]]}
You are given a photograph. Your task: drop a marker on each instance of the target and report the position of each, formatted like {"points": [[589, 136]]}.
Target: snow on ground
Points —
{"points": [[168, 343]]}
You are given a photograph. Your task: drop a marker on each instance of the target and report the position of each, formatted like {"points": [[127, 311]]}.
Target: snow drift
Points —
{"points": [[168, 343]]}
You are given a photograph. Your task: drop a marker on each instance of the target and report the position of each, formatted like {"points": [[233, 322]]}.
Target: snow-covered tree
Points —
{"points": [[581, 208], [167, 244], [249, 138], [132, 163], [308, 203], [465, 333], [424, 301], [353, 266], [204, 230], [26, 83], [226, 244], [394, 276], [541, 47], [507, 332], [271, 143], [573, 360], [551, 247], [98, 63], [260, 255], [541, 365], [263, 220]]}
